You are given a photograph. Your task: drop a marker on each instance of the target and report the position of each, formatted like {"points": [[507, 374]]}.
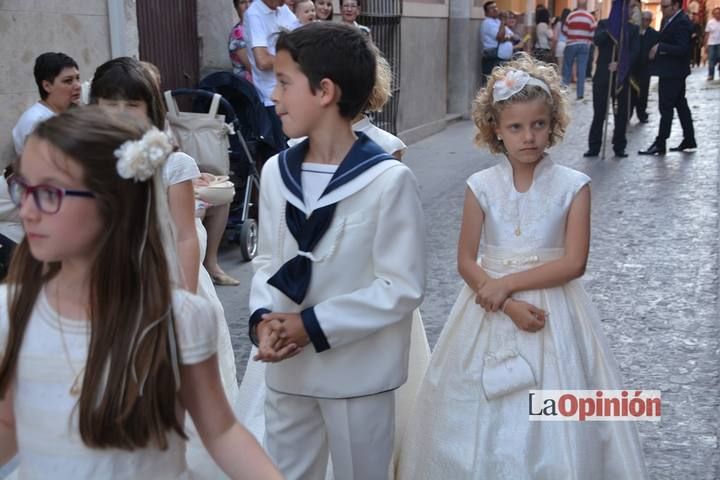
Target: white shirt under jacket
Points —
{"points": [[368, 276]]}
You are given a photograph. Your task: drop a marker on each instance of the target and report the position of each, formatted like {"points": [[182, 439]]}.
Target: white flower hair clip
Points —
{"points": [[513, 82], [138, 159]]}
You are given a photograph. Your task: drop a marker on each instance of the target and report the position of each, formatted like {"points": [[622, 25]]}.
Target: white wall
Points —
{"points": [[28, 28], [215, 20]]}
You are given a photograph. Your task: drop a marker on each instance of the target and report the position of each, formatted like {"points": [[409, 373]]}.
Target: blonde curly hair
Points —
{"points": [[382, 90], [486, 113]]}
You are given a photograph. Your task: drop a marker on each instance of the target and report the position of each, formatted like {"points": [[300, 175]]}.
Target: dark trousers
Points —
{"points": [[600, 106], [639, 99], [590, 62], [488, 63], [671, 93]]}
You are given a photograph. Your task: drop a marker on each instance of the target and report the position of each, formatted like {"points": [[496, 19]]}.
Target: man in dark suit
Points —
{"points": [[670, 61], [641, 73], [604, 79]]}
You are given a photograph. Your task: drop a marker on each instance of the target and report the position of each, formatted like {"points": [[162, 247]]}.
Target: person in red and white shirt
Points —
{"points": [[579, 28]]}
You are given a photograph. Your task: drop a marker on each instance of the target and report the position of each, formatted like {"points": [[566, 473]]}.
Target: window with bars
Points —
{"points": [[383, 18]]}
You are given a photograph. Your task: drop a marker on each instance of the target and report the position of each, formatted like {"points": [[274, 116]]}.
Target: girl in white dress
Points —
{"points": [[124, 84], [102, 353], [522, 307]]}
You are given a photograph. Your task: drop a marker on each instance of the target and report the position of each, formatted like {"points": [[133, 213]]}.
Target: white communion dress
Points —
{"points": [[251, 404], [51, 361], [455, 432], [181, 167]]}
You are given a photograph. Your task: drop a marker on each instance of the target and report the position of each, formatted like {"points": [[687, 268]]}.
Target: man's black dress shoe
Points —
{"points": [[684, 145], [653, 150], [621, 154], [591, 153]]}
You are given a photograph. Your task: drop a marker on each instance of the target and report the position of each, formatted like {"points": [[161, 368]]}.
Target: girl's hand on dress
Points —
{"points": [[492, 293], [525, 316]]}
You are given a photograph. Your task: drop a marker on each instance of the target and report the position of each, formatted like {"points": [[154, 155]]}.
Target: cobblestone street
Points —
{"points": [[653, 269]]}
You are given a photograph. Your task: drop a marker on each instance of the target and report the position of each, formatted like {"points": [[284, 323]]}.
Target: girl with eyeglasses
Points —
{"points": [[103, 351]]}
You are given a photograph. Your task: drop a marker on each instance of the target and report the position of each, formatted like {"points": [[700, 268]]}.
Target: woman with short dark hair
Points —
{"points": [[58, 81]]}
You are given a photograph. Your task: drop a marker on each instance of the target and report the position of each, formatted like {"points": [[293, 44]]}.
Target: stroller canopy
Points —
{"points": [[255, 124]]}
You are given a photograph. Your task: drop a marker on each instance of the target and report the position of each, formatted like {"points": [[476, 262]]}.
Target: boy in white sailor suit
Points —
{"points": [[340, 267]]}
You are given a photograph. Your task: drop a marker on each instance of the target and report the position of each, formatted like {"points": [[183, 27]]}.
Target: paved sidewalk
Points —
{"points": [[652, 272]]}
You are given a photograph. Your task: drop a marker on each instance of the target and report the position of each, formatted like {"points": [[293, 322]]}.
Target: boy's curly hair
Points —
{"points": [[486, 114]]}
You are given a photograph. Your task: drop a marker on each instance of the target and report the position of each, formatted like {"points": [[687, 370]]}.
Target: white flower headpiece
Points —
{"points": [[138, 159], [515, 81]]}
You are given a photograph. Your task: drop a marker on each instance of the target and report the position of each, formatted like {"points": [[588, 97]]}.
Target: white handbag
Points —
{"points": [[505, 370], [505, 376], [203, 136]]}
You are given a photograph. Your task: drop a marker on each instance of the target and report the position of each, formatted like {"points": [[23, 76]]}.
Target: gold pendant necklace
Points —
{"points": [[76, 387], [519, 210]]}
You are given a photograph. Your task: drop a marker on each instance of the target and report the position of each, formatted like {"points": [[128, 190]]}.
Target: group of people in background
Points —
{"points": [[502, 37], [251, 43], [576, 42]]}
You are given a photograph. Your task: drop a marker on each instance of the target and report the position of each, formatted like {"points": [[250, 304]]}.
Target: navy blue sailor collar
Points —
{"points": [[365, 161]]}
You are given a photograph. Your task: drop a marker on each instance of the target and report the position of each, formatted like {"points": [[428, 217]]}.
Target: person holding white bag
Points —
{"points": [[212, 209]]}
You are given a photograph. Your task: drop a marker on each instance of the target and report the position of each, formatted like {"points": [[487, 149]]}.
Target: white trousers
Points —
{"points": [[358, 432]]}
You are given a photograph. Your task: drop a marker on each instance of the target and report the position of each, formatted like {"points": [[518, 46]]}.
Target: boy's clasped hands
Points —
{"points": [[280, 336], [493, 294]]}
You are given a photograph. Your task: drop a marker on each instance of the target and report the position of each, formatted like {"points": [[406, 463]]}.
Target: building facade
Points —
{"points": [[438, 49]]}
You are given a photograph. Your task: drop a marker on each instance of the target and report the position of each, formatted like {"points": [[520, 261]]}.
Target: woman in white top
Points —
{"points": [[58, 81], [543, 36]]}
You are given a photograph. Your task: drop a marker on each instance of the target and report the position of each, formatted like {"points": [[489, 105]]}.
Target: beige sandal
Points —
{"points": [[223, 279]]}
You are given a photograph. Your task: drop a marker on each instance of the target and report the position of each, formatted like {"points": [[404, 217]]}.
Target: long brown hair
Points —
{"points": [[113, 412]]}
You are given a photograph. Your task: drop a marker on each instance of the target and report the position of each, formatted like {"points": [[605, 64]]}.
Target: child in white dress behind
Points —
{"points": [[522, 321], [124, 85]]}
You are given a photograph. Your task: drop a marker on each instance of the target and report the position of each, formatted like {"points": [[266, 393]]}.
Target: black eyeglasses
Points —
{"points": [[48, 199]]}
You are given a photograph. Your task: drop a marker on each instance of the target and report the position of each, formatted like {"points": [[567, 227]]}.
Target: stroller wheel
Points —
{"points": [[248, 239]]}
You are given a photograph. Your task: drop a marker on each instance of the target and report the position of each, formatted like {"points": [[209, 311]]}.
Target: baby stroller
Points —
{"points": [[241, 228], [255, 124], [7, 246]]}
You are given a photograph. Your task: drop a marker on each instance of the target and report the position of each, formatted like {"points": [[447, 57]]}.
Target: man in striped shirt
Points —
{"points": [[579, 28]]}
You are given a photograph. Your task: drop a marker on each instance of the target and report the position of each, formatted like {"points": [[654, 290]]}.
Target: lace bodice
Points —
{"points": [[531, 220]]}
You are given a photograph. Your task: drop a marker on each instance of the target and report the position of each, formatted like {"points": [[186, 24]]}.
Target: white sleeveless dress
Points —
{"points": [[46, 421], [455, 432]]}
